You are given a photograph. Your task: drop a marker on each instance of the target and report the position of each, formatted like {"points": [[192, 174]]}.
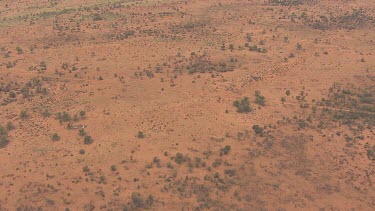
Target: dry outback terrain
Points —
{"points": [[187, 105]]}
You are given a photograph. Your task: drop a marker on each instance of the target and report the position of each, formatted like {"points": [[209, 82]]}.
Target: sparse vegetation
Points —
{"points": [[77, 77]]}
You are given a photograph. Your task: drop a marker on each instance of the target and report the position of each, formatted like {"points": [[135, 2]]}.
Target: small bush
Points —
{"points": [[140, 134], [4, 141], [65, 117], [23, 114], [12, 95], [46, 113], [225, 150], [88, 140], [258, 130], [82, 113], [217, 163], [179, 158], [302, 124], [10, 126], [137, 200], [259, 99], [82, 151], [243, 105], [82, 132], [55, 137]]}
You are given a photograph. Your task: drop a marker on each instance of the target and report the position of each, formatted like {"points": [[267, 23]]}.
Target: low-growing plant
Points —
{"points": [[258, 130], [140, 134], [259, 99], [23, 114], [225, 150], [88, 140], [243, 105], [55, 137]]}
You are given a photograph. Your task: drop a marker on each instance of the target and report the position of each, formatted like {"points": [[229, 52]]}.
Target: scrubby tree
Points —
{"points": [[140, 134], [88, 140], [258, 130], [10, 126], [260, 99], [12, 95], [225, 150], [23, 114], [4, 141], [243, 105], [55, 137], [82, 113]]}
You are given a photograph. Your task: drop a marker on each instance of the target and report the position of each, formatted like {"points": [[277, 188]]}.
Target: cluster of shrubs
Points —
{"points": [[139, 202]]}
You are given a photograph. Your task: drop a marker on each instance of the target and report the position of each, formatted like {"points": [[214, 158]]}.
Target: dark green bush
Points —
{"points": [[243, 105], [4, 141], [55, 137], [140, 134], [12, 94], [258, 130], [88, 140], [225, 150], [259, 99]]}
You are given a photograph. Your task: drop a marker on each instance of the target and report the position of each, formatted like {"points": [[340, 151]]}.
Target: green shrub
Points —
{"points": [[217, 163], [82, 151], [82, 132], [65, 117], [19, 50], [179, 158], [140, 134], [137, 200], [4, 141], [82, 113], [371, 154], [302, 124], [46, 113], [225, 150], [140, 203], [258, 130], [88, 140], [10, 126], [243, 105], [223, 47], [259, 99], [23, 114], [55, 137], [12, 95]]}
